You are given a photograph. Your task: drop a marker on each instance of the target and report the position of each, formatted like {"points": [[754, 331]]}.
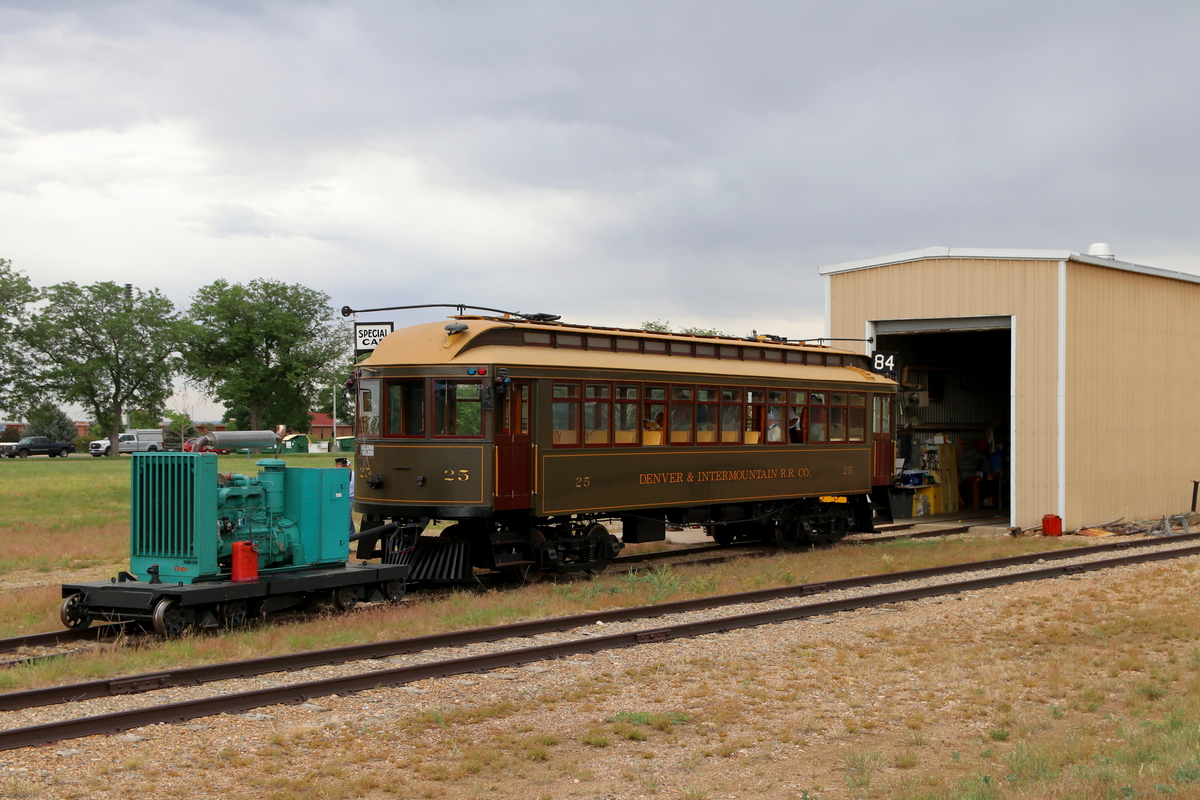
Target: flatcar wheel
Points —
{"points": [[345, 598], [232, 613], [392, 591], [528, 573], [72, 613], [786, 537], [168, 618]]}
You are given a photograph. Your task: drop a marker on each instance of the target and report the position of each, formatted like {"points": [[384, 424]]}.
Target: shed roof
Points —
{"points": [[1004, 254]]}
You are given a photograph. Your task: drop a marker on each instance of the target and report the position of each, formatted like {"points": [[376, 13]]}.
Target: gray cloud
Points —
{"points": [[690, 160]]}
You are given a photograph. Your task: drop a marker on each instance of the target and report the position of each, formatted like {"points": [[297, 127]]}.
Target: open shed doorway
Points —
{"points": [[953, 416]]}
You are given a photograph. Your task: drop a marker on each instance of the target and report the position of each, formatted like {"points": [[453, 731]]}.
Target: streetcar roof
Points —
{"points": [[430, 344]]}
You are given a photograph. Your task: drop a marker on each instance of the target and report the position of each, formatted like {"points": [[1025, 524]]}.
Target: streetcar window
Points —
{"points": [[706, 416], [625, 415], [706, 351], [773, 355], [655, 346], [832, 360], [538, 339], [754, 417], [858, 399], [858, 425], [570, 340], [681, 348], [814, 359], [795, 356], [751, 354], [796, 426], [819, 398], [600, 343], [682, 414], [775, 418], [837, 424], [405, 408], [565, 415], [799, 398], [514, 409], [654, 415], [368, 407], [730, 351], [629, 345], [731, 416], [597, 408], [837, 399], [818, 423], [882, 415], [456, 408]]}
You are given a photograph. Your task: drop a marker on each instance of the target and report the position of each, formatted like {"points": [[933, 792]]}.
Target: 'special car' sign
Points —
{"points": [[368, 335]]}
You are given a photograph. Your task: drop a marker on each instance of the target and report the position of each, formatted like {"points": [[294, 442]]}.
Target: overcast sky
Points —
{"points": [[611, 162]]}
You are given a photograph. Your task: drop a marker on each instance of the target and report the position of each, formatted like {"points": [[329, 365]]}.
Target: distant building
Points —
{"points": [[322, 427]]}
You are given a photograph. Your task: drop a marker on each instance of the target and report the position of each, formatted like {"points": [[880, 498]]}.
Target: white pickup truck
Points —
{"points": [[141, 440]]}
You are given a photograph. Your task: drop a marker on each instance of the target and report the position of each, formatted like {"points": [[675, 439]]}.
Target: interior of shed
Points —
{"points": [[953, 415]]}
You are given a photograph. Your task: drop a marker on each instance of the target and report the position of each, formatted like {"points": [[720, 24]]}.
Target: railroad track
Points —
{"points": [[1150, 550], [700, 554]]}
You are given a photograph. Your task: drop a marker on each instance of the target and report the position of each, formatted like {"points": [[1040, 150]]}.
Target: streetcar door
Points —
{"points": [[514, 458], [884, 455]]}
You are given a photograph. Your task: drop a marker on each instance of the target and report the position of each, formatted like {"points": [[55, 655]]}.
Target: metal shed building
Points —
{"points": [[1083, 366]]}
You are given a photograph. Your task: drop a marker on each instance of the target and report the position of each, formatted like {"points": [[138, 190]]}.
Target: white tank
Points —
{"points": [[1101, 250]]}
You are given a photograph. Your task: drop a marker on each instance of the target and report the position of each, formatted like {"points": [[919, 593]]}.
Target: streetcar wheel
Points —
{"points": [[168, 618], [528, 573], [598, 531], [722, 534], [232, 613], [72, 613], [345, 598], [786, 537], [392, 591]]}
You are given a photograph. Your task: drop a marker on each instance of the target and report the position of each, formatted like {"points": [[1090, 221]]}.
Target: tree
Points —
{"points": [[265, 348], [16, 294], [108, 348], [47, 419], [658, 326], [180, 428]]}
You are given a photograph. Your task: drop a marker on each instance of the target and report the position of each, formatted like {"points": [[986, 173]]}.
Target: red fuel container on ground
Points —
{"points": [[245, 561], [1052, 525]]}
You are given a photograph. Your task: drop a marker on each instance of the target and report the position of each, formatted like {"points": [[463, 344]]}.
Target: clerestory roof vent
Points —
{"points": [[1101, 250]]}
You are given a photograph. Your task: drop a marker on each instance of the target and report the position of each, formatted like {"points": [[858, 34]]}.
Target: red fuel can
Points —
{"points": [[1052, 525], [245, 561]]}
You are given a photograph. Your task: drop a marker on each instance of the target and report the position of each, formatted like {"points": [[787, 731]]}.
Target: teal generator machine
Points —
{"points": [[209, 549]]}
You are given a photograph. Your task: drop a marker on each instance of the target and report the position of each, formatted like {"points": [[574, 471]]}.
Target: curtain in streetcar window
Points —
{"points": [[406, 408], [368, 407], [564, 414], [456, 409], [706, 415], [683, 400], [654, 415], [731, 415], [597, 404], [625, 415]]}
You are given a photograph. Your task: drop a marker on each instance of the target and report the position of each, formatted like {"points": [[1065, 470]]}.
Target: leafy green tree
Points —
{"points": [[265, 348], [16, 295], [657, 326], [107, 349], [180, 428], [47, 419]]}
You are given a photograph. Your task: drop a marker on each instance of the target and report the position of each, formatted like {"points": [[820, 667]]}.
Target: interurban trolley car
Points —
{"points": [[533, 437]]}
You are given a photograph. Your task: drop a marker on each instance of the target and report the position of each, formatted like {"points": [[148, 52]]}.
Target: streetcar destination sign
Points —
{"points": [[368, 335]]}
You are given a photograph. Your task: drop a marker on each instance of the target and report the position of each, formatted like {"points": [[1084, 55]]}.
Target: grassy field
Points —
{"points": [[74, 513]]}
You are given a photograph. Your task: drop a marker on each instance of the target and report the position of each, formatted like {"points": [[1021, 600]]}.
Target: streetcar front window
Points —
{"points": [[405, 408], [456, 408], [368, 407]]}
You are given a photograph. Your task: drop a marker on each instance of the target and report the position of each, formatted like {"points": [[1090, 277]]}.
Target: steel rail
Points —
{"points": [[207, 673], [59, 637], [298, 693]]}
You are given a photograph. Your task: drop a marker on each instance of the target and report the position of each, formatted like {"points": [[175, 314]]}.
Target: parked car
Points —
{"points": [[141, 440], [37, 446]]}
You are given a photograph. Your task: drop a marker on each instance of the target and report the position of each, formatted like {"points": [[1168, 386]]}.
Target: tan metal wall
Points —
{"points": [[1133, 422], [1026, 290]]}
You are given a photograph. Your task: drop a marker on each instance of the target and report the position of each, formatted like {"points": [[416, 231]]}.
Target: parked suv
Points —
{"points": [[37, 446], [142, 440]]}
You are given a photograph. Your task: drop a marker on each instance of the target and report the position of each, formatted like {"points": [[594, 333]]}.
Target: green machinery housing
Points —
{"points": [[185, 516]]}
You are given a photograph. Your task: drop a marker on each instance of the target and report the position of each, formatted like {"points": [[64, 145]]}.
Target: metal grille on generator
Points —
{"points": [[163, 505]]}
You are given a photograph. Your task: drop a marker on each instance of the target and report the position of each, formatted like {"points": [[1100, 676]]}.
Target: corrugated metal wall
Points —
{"points": [[1133, 423], [1026, 290]]}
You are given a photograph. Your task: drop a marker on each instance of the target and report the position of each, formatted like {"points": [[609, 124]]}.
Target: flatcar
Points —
{"points": [[532, 436]]}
